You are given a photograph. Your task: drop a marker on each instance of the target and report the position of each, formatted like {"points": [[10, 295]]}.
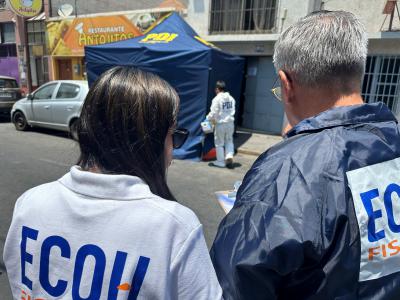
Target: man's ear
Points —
{"points": [[286, 86]]}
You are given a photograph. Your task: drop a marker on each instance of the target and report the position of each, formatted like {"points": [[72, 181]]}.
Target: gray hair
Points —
{"points": [[325, 47]]}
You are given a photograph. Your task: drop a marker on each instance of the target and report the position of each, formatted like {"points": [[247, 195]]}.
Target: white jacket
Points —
{"points": [[222, 108], [109, 237]]}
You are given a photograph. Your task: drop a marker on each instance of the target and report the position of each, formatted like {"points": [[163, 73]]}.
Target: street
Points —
{"points": [[31, 158]]}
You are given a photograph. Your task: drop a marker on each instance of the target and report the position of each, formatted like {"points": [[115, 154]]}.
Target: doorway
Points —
{"points": [[64, 69], [259, 109]]}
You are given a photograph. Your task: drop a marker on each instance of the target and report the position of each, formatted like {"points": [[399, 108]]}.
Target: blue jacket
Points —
{"points": [[305, 227]]}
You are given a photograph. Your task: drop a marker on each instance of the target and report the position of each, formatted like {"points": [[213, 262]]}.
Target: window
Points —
{"points": [[45, 69], [382, 81], [36, 33], [7, 40], [7, 33], [8, 83], [42, 69], [7, 50], [38, 51], [68, 91], [2, 4], [45, 92], [242, 16]]}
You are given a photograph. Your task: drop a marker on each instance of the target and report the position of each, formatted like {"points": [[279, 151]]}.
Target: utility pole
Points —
{"points": [[23, 30], [27, 57], [23, 12]]}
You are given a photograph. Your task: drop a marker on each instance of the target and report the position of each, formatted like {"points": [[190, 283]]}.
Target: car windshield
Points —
{"points": [[8, 83]]}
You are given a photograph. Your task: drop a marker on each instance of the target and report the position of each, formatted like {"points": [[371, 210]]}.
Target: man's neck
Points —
{"points": [[342, 100], [347, 100], [319, 102], [315, 104]]}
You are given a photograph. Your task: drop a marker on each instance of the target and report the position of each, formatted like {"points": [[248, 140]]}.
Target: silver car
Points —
{"points": [[56, 105]]}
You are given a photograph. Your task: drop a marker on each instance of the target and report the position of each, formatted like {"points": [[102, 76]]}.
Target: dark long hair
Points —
{"points": [[124, 123]]}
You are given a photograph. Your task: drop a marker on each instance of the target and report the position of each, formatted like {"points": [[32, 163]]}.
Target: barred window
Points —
{"points": [[382, 81], [242, 16]]}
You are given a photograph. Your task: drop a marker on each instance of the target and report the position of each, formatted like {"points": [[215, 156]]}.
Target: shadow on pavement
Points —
{"points": [[5, 119], [234, 166], [53, 132], [230, 167], [240, 137]]}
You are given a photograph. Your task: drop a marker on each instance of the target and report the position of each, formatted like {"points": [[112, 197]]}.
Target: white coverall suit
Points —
{"points": [[222, 113]]}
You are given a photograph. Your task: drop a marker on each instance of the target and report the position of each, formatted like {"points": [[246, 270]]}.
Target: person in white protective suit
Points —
{"points": [[222, 115]]}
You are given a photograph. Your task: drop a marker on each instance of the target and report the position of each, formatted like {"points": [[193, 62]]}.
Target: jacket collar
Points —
{"points": [[105, 186], [345, 115]]}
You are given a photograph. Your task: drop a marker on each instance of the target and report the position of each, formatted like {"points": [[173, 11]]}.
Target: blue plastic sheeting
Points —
{"points": [[189, 65]]}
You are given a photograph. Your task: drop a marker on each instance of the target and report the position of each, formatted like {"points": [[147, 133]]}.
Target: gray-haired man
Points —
{"points": [[318, 216]]}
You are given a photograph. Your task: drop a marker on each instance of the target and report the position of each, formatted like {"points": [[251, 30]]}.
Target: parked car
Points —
{"points": [[56, 105], [9, 93]]}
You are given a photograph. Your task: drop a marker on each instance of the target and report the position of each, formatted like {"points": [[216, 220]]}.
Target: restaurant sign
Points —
{"points": [[68, 37]]}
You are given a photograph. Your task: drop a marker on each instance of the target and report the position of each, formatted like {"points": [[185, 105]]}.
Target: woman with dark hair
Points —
{"points": [[110, 228]]}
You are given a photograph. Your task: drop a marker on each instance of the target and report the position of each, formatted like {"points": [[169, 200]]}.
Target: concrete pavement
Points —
{"points": [[254, 143]]}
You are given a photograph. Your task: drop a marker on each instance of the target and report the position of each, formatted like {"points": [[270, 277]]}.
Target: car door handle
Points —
{"points": [[69, 107], [47, 106]]}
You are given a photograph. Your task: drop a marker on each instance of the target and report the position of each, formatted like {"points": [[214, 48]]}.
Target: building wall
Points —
{"points": [[6, 15], [84, 7], [9, 64], [370, 12], [198, 16], [9, 67], [384, 46], [262, 111], [289, 11]]}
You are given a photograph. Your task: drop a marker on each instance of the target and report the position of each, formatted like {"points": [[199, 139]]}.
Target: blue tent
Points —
{"points": [[174, 51]]}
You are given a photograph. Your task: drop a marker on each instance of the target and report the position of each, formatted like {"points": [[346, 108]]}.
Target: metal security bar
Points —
{"points": [[382, 81], [242, 16]]}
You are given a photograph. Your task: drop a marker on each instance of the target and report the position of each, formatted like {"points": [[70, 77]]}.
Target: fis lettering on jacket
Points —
{"points": [[389, 220], [375, 191], [56, 287]]}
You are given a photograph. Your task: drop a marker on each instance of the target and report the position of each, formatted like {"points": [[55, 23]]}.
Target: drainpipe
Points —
{"points": [[49, 9]]}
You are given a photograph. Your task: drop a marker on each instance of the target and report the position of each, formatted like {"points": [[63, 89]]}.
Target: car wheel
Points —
{"points": [[20, 122], [73, 129]]}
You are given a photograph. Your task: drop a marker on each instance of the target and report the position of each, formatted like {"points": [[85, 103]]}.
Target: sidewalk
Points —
{"points": [[250, 143]]}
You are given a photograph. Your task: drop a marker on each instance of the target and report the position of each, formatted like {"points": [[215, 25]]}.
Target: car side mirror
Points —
{"points": [[29, 96]]}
